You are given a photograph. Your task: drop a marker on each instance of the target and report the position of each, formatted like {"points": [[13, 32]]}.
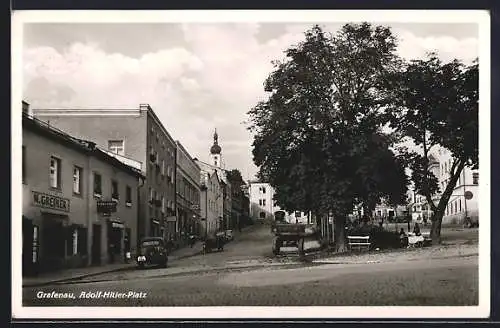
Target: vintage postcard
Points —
{"points": [[250, 164]]}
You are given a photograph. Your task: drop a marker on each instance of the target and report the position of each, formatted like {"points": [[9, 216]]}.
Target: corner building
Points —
{"points": [[139, 135], [65, 181]]}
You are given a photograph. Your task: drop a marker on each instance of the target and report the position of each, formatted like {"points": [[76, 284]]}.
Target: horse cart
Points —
{"points": [[291, 235]]}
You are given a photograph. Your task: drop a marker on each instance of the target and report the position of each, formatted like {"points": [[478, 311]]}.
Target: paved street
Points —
{"points": [[245, 274]]}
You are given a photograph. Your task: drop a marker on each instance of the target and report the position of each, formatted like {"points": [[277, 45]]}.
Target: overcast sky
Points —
{"points": [[195, 76]]}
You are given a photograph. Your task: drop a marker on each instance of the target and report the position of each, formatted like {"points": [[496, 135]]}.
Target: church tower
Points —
{"points": [[215, 152]]}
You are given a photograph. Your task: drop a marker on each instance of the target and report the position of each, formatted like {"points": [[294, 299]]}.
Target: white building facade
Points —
{"points": [[211, 203], [459, 206], [261, 196], [262, 205]]}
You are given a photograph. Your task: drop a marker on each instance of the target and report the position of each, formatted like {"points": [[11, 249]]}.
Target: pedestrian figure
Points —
{"points": [[416, 229], [170, 245], [402, 237]]}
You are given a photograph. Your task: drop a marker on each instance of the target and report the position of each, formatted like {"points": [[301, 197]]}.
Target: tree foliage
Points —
{"points": [[436, 104], [235, 178], [317, 138]]}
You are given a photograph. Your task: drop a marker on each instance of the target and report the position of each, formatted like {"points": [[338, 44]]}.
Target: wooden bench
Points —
{"points": [[359, 242]]}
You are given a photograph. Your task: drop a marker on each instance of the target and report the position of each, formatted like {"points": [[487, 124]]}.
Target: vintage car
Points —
{"points": [[215, 242], [152, 252], [229, 235]]}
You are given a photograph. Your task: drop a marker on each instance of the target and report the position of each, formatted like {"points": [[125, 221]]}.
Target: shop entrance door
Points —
{"points": [[30, 246], [96, 244]]}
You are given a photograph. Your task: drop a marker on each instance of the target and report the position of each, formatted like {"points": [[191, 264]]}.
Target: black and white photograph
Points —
{"points": [[237, 164]]}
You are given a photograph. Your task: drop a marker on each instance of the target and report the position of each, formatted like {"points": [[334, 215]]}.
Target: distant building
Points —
{"points": [[80, 204], [137, 134], [217, 165], [262, 205], [211, 203], [245, 218], [458, 206], [188, 192]]}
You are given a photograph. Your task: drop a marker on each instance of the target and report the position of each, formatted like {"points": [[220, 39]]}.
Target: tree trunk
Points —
{"points": [[366, 211], [436, 231], [339, 231], [437, 216]]}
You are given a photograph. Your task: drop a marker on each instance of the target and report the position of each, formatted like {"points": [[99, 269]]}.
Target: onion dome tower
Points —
{"points": [[215, 151]]}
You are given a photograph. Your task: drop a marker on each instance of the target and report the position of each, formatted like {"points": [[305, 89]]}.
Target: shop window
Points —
{"points": [[76, 241], [97, 185], [55, 172]]}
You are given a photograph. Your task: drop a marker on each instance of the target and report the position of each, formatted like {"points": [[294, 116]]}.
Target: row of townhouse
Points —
{"points": [[79, 202], [168, 199]]}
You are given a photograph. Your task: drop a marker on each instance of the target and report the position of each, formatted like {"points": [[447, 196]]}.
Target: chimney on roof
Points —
{"points": [[26, 108]]}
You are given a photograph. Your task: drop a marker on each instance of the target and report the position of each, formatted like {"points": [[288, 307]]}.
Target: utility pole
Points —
{"points": [[465, 198]]}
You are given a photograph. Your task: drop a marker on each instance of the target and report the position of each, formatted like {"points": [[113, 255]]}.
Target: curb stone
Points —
{"points": [[88, 275], [190, 272], [393, 260]]}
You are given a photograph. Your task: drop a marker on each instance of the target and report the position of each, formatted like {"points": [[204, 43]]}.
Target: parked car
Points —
{"points": [[214, 242], [152, 252], [229, 235]]}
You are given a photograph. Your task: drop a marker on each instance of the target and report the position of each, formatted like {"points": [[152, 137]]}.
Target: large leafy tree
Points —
{"points": [[380, 174], [317, 137], [235, 178], [437, 105]]}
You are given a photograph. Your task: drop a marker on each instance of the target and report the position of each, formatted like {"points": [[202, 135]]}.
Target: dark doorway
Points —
{"points": [[30, 247], [53, 243], [96, 244], [114, 242]]}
